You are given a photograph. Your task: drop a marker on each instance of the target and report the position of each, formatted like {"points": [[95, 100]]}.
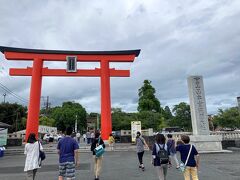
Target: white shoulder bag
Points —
{"points": [[183, 165]]}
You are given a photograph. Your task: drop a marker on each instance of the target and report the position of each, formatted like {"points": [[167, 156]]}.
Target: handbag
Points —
{"points": [[182, 166], [42, 154], [99, 150]]}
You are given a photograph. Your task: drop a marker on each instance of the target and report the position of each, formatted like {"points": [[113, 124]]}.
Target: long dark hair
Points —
{"points": [[160, 139], [97, 134], [31, 138]]}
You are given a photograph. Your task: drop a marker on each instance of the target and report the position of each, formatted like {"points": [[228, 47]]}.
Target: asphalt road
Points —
{"points": [[123, 166]]}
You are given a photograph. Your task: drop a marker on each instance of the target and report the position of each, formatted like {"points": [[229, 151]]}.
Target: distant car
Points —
{"points": [[46, 137], [172, 129], [57, 137]]}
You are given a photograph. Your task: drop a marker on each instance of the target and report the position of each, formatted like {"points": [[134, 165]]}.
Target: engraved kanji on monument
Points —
{"points": [[198, 105]]}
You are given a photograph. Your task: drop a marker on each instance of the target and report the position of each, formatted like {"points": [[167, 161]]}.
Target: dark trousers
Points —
{"points": [[31, 174], [140, 157]]}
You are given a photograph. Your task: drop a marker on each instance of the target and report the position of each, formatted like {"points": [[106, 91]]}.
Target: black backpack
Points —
{"points": [[162, 154]]}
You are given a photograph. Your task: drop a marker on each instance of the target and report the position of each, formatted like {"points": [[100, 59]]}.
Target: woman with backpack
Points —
{"points": [[31, 151], [160, 156], [97, 141]]}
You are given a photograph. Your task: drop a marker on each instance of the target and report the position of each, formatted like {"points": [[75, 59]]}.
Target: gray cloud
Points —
{"points": [[177, 38]]}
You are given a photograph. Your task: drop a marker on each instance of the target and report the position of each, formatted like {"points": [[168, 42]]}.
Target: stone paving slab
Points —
{"points": [[123, 165], [45, 168]]}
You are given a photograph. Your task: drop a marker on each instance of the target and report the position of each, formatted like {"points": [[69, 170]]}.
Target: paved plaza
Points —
{"points": [[122, 165]]}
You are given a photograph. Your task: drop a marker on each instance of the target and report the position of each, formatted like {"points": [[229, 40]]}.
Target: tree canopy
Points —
{"points": [[167, 113], [182, 116], [151, 119], [229, 118], [147, 100], [67, 114], [46, 121], [13, 114], [122, 120]]}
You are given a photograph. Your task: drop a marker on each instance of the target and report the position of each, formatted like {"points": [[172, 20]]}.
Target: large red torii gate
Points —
{"points": [[38, 57]]}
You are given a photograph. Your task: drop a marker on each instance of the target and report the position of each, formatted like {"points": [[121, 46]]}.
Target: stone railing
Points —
{"points": [[226, 135]]}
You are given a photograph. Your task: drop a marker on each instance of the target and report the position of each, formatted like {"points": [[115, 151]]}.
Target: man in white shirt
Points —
{"points": [[78, 135]]}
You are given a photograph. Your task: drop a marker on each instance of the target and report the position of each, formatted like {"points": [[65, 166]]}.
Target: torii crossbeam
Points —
{"points": [[37, 71]]}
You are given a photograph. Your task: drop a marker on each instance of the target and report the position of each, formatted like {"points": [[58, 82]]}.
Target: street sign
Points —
{"points": [[135, 127]]}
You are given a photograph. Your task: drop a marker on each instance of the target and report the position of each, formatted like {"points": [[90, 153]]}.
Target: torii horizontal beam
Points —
{"points": [[62, 72]]}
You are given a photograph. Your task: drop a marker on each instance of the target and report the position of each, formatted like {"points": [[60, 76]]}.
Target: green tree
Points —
{"points": [[229, 118], [12, 114], [46, 121], [147, 100], [122, 120], [67, 114], [167, 113], [182, 116], [151, 119]]}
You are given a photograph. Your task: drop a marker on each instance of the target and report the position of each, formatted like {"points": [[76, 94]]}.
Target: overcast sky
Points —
{"points": [[177, 38]]}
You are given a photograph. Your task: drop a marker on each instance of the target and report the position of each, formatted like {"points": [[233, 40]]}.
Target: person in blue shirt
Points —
{"points": [[68, 156], [193, 161]]}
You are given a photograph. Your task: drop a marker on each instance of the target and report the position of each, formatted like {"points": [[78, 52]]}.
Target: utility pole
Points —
{"points": [[16, 122], [76, 125], [47, 105], [4, 97], [97, 122]]}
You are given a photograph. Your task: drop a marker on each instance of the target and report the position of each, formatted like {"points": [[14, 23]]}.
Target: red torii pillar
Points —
{"points": [[37, 71]]}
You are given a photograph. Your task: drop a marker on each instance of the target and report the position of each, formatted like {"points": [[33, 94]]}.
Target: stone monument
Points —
{"points": [[201, 137]]}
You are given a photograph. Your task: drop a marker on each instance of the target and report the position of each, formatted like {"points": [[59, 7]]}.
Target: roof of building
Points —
{"points": [[4, 125]]}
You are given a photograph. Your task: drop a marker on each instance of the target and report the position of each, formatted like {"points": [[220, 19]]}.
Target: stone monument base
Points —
{"points": [[207, 143]]}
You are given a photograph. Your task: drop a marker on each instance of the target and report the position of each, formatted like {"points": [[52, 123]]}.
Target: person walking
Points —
{"points": [[172, 149], [32, 162], [190, 157], [84, 138], [160, 157], [88, 135], [97, 160], [140, 143], [78, 136], [92, 136], [68, 156], [111, 142]]}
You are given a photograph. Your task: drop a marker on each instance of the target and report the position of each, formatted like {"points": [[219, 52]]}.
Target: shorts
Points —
{"points": [[67, 169]]}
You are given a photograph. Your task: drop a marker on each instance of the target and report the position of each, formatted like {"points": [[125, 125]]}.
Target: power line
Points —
{"points": [[13, 94]]}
